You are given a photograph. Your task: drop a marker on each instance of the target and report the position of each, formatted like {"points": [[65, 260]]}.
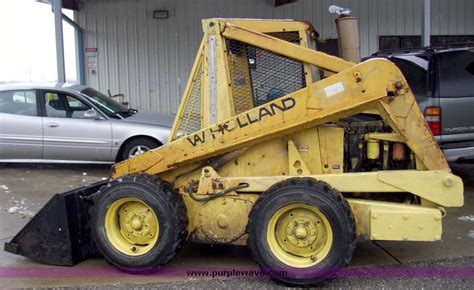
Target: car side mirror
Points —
{"points": [[91, 114]]}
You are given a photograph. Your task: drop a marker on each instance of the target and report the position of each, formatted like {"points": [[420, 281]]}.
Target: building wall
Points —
{"points": [[149, 60]]}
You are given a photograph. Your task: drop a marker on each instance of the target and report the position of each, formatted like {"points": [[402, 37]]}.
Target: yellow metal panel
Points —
{"points": [[265, 159], [392, 137], [307, 144], [378, 220], [446, 188], [225, 104], [347, 182], [440, 187], [210, 182], [331, 144], [296, 164], [255, 161], [306, 41], [223, 220], [269, 26], [142, 162], [408, 121], [206, 87]]}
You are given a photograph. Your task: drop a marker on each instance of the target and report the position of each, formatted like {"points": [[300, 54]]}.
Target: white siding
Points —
{"points": [[149, 59]]}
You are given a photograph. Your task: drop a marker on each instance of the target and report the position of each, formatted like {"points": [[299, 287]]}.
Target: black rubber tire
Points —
{"points": [[168, 207], [144, 141], [315, 193]]}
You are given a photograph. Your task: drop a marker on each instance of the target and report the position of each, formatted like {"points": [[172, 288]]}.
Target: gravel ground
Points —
{"points": [[434, 276]]}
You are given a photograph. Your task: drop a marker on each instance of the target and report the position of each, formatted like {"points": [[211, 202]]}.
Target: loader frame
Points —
{"points": [[286, 123], [228, 149]]}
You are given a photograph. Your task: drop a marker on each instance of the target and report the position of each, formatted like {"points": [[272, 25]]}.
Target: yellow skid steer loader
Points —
{"points": [[277, 146]]}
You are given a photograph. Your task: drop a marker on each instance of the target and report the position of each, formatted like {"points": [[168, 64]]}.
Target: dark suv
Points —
{"points": [[442, 78]]}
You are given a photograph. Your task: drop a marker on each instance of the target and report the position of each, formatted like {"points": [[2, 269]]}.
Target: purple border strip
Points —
{"points": [[235, 272]]}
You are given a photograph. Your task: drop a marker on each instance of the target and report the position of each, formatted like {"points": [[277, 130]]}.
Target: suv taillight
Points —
{"points": [[433, 118]]}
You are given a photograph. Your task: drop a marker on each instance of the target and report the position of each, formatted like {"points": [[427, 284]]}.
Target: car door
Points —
{"points": [[456, 95], [68, 134], [21, 129]]}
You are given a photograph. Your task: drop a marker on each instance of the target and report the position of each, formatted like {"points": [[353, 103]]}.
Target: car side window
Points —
{"points": [[18, 102], [456, 74], [77, 107], [64, 106], [415, 70]]}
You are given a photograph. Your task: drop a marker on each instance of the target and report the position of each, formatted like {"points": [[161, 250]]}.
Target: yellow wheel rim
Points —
{"points": [[131, 226], [299, 235]]}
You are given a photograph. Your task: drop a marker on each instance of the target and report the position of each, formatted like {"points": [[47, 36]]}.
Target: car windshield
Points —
{"points": [[107, 105]]}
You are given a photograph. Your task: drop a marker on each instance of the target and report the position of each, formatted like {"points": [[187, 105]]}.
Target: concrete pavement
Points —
{"points": [[25, 188]]}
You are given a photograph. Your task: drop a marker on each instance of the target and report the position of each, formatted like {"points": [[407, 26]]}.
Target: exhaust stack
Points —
{"points": [[348, 34]]}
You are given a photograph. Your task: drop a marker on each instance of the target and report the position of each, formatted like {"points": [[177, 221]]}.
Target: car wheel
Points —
{"points": [[137, 146]]}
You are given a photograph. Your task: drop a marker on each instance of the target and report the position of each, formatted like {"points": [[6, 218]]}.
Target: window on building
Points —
{"points": [[394, 42], [399, 42]]}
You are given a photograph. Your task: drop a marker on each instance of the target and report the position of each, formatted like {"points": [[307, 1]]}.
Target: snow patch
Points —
{"points": [[4, 187], [26, 212], [13, 209], [467, 218], [471, 234], [19, 208]]}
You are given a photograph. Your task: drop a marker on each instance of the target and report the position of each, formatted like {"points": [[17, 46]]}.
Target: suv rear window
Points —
{"points": [[414, 68], [456, 74]]}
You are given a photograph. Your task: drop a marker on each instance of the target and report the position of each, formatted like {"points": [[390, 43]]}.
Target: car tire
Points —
{"points": [[160, 217], [301, 232], [135, 145]]}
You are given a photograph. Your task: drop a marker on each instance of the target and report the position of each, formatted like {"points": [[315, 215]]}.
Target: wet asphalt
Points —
{"points": [[26, 188], [400, 278]]}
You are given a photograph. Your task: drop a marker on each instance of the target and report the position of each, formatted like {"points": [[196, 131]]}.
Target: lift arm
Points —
{"points": [[375, 84], [285, 48]]}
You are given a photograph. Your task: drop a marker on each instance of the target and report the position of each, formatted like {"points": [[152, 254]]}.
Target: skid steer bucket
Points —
{"points": [[58, 233]]}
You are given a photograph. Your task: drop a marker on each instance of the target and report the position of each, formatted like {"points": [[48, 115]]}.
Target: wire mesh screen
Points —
{"points": [[259, 76], [191, 118]]}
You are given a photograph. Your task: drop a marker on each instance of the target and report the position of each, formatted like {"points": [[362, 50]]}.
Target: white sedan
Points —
{"points": [[74, 124]]}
